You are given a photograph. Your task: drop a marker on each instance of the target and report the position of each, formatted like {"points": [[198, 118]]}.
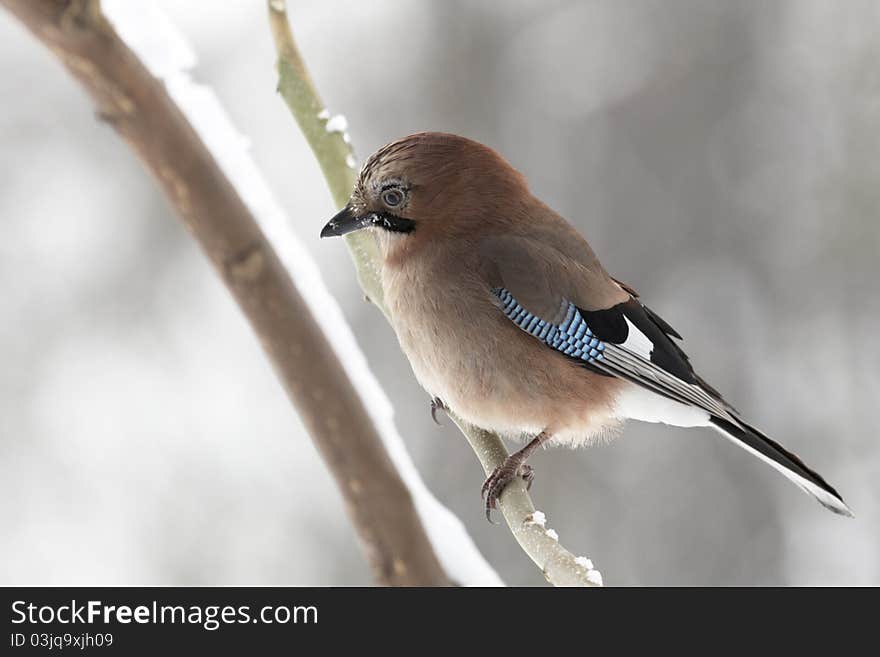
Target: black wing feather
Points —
{"points": [[610, 326]]}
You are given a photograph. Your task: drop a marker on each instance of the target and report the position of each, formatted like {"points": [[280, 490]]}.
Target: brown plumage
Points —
{"points": [[507, 316]]}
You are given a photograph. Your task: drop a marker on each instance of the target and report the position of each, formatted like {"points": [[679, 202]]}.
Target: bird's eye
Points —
{"points": [[392, 197]]}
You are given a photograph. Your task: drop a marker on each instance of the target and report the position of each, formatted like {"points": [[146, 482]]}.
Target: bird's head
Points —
{"points": [[428, 186]]}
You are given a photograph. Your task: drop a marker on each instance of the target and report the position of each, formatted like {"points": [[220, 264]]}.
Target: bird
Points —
{"points": [[509, 320]]}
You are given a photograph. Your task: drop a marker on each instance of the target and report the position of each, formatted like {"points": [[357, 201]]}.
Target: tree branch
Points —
{"points": [[333, 152], [140, 109]]}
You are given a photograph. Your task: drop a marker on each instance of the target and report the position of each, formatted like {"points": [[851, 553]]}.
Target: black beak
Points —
{"points": [[345, 222]]}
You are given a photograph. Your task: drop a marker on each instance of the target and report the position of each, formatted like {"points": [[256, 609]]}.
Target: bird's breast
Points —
{"points": [[439, 314]]}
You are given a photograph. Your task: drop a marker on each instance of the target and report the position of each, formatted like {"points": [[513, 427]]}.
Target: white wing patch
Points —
{"points": [[636, 341]]}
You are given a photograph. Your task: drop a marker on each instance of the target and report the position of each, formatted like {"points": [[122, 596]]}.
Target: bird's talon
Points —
{"points": [[489, 513], [437, 404], [499, 479], [527, 472]]}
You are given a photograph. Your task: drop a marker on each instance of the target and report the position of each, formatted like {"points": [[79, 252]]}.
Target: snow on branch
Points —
{"points": [[330, 142], [168, 56], [141, 86]]}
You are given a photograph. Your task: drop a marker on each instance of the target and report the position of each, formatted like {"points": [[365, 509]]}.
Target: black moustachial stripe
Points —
{"points": [[393, 223]]}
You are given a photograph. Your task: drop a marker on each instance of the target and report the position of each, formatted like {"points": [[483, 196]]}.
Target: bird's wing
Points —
{"points": [[576, 308], [572, 306]]}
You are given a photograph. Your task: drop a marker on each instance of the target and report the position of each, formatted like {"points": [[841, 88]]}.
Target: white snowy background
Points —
{"points": [[721, 157]]}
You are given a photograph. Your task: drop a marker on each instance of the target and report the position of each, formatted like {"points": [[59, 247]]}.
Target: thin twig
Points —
{"points": [[334, 155], [140, 109]]}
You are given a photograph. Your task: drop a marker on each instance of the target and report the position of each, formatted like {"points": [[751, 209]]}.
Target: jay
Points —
{"points": [[507, 316]]}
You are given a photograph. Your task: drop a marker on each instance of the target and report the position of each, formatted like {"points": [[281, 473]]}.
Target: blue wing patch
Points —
{"points": [[571, 336]]}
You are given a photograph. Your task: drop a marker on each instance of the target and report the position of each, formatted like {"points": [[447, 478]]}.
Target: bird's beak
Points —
{"points": [[345, 222]]}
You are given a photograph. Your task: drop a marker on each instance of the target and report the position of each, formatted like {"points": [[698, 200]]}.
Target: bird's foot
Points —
{"points": [[437, 405], [514, 466]]}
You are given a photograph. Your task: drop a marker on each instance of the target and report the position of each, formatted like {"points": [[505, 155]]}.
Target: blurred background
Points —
{"points": [[723, 158]]}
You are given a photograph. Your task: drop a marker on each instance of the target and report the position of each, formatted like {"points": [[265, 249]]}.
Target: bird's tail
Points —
{"points": [[787, 463]]}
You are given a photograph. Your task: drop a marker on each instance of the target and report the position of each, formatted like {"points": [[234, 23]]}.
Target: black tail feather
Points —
{"points": [[780, 458]]}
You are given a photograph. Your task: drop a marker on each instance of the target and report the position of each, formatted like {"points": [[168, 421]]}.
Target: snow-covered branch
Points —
{"points": [[134, 66], [331, 145]]}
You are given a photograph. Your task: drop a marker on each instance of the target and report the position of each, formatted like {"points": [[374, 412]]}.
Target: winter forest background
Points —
{"points": [[721, 157]]}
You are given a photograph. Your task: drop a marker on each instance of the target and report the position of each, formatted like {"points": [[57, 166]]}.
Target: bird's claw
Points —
{"points": [[500, 478], [527, 472], [437, 405]]}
